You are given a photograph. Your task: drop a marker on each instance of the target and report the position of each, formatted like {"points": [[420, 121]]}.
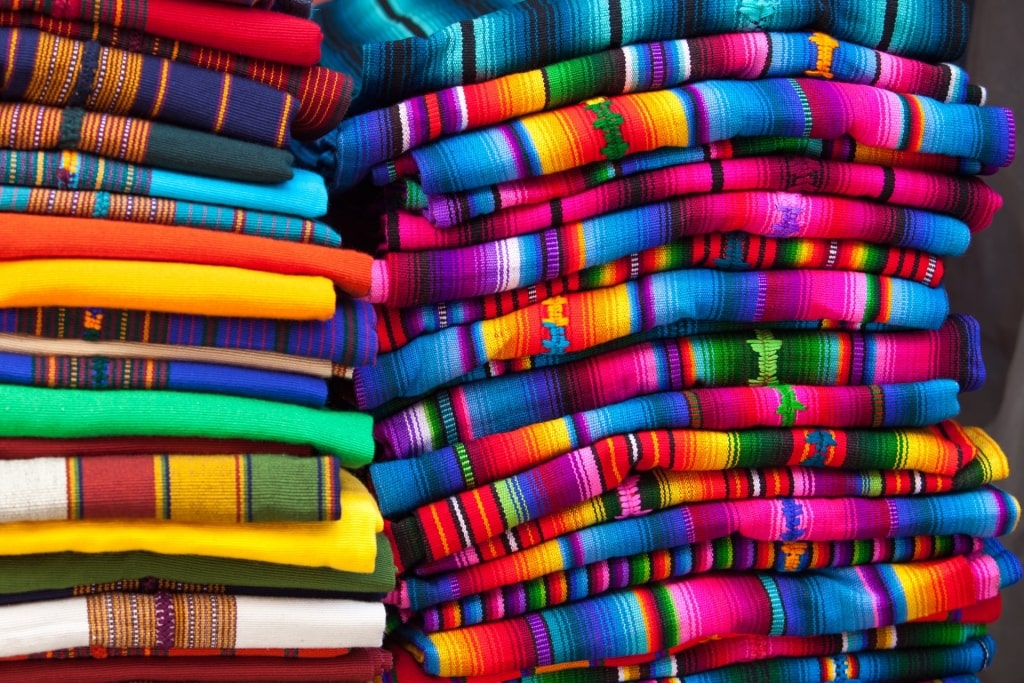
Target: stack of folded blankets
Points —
{"points": [[668, 377], [175, 495]]}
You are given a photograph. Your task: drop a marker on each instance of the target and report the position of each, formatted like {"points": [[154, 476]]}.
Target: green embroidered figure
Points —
{"points": [[789, 406], [609, 123], [757, 10], [767, 348]]}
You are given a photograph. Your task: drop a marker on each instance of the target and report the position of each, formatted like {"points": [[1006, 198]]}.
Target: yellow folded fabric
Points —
{"points": [[166, 287], [347, 545]]}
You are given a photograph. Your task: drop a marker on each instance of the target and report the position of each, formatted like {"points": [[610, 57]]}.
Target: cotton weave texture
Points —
{"points": [[667, 378]]}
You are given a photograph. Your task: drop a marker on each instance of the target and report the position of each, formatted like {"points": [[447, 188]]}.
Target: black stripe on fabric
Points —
{"points": [[405, 21], [468, 52], [888, 184], [615, 22], [717, 175], [891, 10], [768, 57]]}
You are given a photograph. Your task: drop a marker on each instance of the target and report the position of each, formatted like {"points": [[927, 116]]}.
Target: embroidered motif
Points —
{"points": [[766, 346], [609, 123], [823, 442], [794, 552], [556, 323], [757, 11], [732, 248], [67, 174], [826, 45], [789, 406], [92, 323], [793, 513], [100, 372], [789, 219], [629, 498]]}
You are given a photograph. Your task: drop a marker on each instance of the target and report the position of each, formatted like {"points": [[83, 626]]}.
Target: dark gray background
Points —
{"points": [[988, 283]]}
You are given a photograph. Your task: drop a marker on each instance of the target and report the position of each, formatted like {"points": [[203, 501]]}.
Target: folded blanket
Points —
{"points": [[735, 553], [39, 237], [304, 195], [104, 372], [323, 94], [265, 35], [757, 358], [140, 141], [183, 488], [188, 620], [234, 358], [734, 251], [967, 199], [62, 413], [18, 448], [361, 664], [347, 338], [610, 128], [373, 137], [685, 610], [457, 43], [347, 544], [44, 68], [67, 574], [453, 208]]}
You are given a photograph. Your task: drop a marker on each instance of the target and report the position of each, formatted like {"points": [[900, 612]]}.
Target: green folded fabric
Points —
{"points": [[70, 413], [56, 571]]}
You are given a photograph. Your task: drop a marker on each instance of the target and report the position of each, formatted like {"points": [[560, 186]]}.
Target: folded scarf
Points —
{"points": [[40, 237], [347, 544], [407, 278], [361, 664], [609, 128], [728, 650], [170, 286], [585, 320], [63, 413], [19, 448], [734, 251], [104, 372], [456, 43], [463, 521], [323, 94], [304, 195], [759, 358], [140, 141], [265, 35], [68, 574], [965, 198], [347, 338], [944, 449], [188, 620], [451, 209], [520, 596], [135, 351], [376, 136], [43, 68], [685, 610], [182, 488]]}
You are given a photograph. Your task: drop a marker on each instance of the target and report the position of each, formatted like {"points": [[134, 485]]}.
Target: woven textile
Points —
{"points": [[101, 372], [171, 287], [346, 545], [73, 574], [297, 8], [184, 620], [323, 94], [304, 195], [456, 43], [942, 449], [183, 488], [683, 610], [19, 448], [346, 338], [158, 211], [138, 141], [46, 69], [735, 251], [454, 208], [733, 553], [609, 128], [404, 279], [901, 187], [64, 413], [40, 237], [359, 665], [377, 136], [265, 35]]}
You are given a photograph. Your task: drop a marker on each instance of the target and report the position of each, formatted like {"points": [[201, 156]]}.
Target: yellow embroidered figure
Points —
{"points": [[826, 45]]}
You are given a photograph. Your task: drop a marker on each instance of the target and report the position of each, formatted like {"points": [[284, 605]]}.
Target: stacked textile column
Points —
{"points": [[668, 378], [175, 494]]}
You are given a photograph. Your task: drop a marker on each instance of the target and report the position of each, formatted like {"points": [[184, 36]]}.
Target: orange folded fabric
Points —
{"points": [[40, 237]]}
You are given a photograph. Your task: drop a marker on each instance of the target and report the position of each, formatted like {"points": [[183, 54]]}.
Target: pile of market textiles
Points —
{"points": [[175, 496], [667, 376]]}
